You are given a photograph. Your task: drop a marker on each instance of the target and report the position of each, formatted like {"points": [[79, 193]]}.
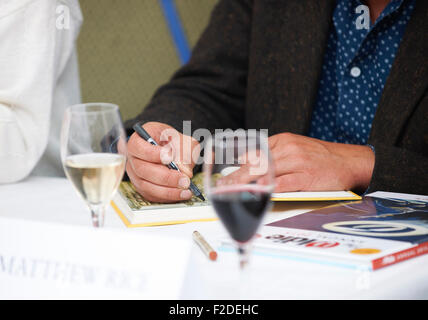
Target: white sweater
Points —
{"points": [[38, 80]]}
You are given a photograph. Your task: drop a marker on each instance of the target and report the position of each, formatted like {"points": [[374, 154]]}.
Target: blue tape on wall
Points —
{"points": [[176, 30]]}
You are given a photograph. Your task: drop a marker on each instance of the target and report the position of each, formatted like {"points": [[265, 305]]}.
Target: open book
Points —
{"points": [[135, 211]]}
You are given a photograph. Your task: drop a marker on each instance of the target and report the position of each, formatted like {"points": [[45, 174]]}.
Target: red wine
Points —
{"points": [[241, 210]]}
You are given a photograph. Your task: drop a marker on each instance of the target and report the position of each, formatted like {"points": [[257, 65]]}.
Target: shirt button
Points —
{"points": [[355, 72]]}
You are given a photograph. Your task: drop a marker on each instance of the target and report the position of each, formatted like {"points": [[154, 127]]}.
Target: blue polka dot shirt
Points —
{"points": [[356, 65]]}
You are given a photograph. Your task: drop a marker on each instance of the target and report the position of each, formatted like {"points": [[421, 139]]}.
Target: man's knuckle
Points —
{"points": [[138, 185], [293, 147], [132, 144], [173, 179], [303, 157], [167, 179], [287, 137], [167, 194], [139, 167]]}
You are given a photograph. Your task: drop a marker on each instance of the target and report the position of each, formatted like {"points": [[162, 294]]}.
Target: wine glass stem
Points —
{"points": [[244, 255], [97, 212], [244, 284]]}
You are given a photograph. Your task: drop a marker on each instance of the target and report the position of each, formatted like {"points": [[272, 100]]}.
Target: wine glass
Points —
{"points": [[239, 180], [90, 136]]}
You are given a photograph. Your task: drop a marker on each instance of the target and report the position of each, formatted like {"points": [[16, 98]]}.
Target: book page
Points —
{"points": [[315, 196], [136, 202]]}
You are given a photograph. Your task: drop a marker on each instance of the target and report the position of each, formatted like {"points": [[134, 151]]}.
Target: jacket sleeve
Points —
{"points": [[399, 170], [210, 89], [404, 166]]}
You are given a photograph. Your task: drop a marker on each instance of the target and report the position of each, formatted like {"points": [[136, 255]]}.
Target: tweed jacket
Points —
{"points": [[258, 65]]}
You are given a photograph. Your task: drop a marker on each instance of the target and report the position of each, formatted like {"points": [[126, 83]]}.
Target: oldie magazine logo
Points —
{"points": [[376, 228], [302, 241]]}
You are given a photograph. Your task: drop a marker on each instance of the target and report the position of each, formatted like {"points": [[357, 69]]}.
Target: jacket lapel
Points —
{"points": [[407, 81], [304, 32]]}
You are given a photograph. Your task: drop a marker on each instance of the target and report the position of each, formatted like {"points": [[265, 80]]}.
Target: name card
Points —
{"points": [[48, 261]]}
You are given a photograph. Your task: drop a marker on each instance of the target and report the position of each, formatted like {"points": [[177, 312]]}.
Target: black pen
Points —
{"points": [[145, 135]]}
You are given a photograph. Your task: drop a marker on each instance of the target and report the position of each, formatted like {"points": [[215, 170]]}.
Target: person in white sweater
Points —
{"points": [[38, 80]]}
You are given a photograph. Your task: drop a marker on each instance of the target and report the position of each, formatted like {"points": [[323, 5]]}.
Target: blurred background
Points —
{"points": [[127, 49]]}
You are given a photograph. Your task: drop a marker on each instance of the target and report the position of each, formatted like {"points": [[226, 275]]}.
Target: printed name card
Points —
{"points": [[47, 261]]}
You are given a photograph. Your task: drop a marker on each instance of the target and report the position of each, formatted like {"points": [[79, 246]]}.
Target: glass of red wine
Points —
{"points": [[239, 180]]}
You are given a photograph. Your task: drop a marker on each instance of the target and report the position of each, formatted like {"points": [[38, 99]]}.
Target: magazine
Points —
{"points": [[374, 233]]}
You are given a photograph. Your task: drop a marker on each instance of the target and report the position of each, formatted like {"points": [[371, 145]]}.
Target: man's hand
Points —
{"points": [[307, 164], [146, 165]]}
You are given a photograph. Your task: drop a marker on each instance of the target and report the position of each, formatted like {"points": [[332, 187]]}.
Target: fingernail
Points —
{"points": [[185, 194], [184, 183]]}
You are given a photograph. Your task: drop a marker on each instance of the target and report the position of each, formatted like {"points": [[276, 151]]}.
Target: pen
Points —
{"points": [[204, 245], [145, 135]]}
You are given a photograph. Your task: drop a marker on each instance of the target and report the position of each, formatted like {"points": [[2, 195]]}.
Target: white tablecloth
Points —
{"points": [[54, 200]]}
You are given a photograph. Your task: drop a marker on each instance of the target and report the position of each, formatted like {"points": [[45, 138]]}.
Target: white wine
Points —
{"points": [[96, 176]]}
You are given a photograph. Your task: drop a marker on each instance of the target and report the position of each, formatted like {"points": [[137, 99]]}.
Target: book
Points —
{"points": [[315, 196], [372, 233], [135, 211]]}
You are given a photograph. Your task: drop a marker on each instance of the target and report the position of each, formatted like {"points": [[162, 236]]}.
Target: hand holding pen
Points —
{"points": [[150, 175]]}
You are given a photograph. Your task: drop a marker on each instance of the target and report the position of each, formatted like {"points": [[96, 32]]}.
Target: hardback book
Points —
{"points": [[135, 211], [372, 233]]}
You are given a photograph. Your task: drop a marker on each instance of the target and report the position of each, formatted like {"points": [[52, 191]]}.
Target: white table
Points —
{"points": [[53, 200]]}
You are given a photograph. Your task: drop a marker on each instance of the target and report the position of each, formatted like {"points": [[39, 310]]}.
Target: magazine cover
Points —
{"points": [[373, 232]]}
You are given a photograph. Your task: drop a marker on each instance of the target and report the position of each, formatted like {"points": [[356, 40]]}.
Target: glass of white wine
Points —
{"points": [[92, 135]]}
